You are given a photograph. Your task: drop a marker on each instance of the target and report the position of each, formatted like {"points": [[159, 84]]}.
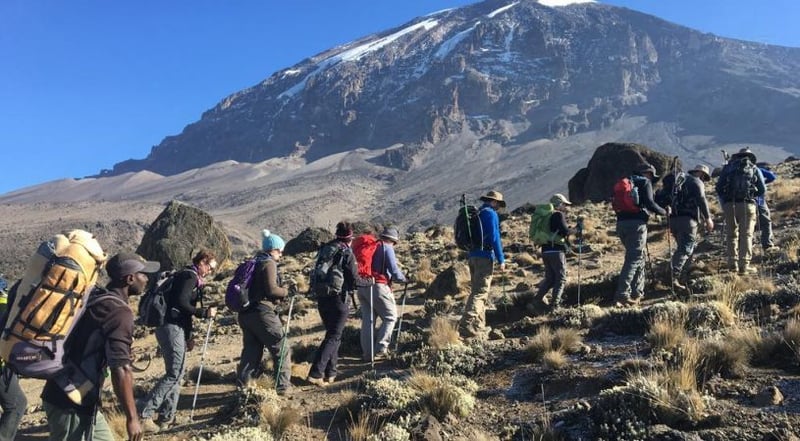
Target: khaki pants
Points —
{"points": [[473, 322], [740, 222]]}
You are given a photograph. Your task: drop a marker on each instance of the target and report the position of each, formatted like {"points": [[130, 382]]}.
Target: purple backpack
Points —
{"points": [[237, 298]]}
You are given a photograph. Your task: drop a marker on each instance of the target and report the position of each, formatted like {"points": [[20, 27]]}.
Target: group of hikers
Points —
{"points": [[366, 264]]}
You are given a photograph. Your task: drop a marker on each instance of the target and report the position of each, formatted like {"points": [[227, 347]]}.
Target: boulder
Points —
{"points": [[769, 396], [179, 232], [449, 282], [308, 241], [610, 162]]}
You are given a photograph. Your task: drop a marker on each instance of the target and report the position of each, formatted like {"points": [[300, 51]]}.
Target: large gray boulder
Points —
{"points": [[610, 162], [309, 240], [179, 232]]}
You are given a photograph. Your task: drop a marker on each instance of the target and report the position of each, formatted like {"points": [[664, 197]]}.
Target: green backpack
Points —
{"points": [[539, 232]]}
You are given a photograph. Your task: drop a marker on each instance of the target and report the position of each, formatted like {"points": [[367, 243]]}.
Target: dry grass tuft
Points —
{"points": [[362, 427], [791, 336], [567, 340], [447, 399], [277, 420], [540, 343], [423, 381], [443, 333], [666, 332], [728, 290], [116, 422], [424, 274], [783, 193], [349, 404], [553, 360]]}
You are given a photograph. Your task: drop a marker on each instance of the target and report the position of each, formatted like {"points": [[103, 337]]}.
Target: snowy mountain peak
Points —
{"points": [[557, 3]]}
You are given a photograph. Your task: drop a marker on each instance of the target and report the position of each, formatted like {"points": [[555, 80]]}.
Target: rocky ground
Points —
{"points": [[717, 363]]}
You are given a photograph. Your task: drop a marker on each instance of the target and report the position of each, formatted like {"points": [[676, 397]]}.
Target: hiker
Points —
{"points": [[764, 219], [739, 185], [106, 333], [175, 338], [554, 251], [260, 323], [332, 306], [12, 398], [689, 206], [632, 231], [384, 271], [481, 266]]}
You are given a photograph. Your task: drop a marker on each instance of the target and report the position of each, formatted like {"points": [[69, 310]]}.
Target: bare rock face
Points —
{"points": [[179, 232], [309, 240], [610, 162], [449, 282]]}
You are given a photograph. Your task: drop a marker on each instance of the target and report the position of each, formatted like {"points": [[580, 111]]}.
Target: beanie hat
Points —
{"points": [[343, 231], [271, 241]]}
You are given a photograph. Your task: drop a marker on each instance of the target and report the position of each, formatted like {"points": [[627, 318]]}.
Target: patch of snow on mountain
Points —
{"points": [[501, 10], [453, 41], [557, 3], [358, 52], [506, 56], [442, 11]]}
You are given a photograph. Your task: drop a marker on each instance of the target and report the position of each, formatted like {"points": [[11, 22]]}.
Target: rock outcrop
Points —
{"points": [[308, 241], [179, 232], [610, 162]]}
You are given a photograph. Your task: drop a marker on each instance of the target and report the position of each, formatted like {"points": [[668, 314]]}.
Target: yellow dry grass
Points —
{"points": [[667, 332], [443, 333]]}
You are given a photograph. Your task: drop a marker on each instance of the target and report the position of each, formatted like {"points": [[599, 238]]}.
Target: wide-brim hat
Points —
{"points": [[494, 196], [645, 168], [745, 152], [390, 234], [559, 199], [704, 170]]}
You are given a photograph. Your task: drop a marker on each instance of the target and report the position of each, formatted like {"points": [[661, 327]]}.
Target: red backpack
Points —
{"points": [[626, 196], [364, 247]]}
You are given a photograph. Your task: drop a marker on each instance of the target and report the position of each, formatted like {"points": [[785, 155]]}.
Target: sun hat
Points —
{"points": [[390, 233], [559, 199], [123, 264], [494, 196], [745, 152], [271, 241], [704, 170], [645, 168]]}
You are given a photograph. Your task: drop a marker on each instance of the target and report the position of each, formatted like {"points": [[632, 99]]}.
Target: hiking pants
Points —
{"points": [[684, 229], [383, 307], [333, 311], [13, 402], [740, 218], [68, 425], [765, 224], [555, 275], [473, 322], [261, 327], [163, 398], [633, 234]]}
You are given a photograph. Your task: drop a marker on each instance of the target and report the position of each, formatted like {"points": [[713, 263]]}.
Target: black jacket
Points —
{"points": [[646, 202]]}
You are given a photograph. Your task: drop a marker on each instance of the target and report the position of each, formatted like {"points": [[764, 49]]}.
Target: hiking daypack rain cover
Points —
{"points": [[49, 300], [737, 182], [327, 278], [626, 195], [539, 231], [468, 230], [364, 247], [153, 304]]}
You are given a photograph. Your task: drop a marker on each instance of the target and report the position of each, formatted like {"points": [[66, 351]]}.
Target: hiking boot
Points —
{"points": [[772, 249], [330, 379], [165, 424], [316, 381], [626, 302], [382, 355], [149, 426], [747, 269], [678, 285]]}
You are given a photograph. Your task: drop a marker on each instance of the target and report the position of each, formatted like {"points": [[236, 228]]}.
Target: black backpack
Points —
{"points": [[327, 278], [153, 304], [468, 229], [737, 182]]}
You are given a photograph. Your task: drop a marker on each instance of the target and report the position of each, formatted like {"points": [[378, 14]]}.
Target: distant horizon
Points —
{"points": [[91, 84]]}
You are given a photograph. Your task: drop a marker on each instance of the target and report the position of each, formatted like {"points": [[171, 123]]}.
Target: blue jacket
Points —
{"points": [[384, 262], [769, 177], [490, 222]]}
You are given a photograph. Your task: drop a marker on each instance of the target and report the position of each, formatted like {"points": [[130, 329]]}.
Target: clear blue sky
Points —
{"points": [[88, 83]]}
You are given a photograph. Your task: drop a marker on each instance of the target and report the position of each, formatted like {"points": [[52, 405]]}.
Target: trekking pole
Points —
{"points": [[371, 329], [579, 227], [200, 371], [283, 345], [402, 311]]}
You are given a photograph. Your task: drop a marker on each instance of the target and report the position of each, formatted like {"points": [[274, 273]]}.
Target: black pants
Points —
{"points": [[13, 402], [333, 311]]}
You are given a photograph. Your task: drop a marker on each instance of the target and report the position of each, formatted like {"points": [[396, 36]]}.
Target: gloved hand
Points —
{"points": [[293, 291], [189, 345]]}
